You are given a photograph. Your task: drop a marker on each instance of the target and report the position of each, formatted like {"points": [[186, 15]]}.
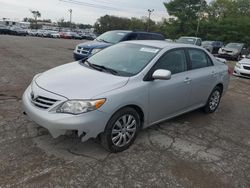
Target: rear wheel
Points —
{"points": [[121, 130], [213, 100]]}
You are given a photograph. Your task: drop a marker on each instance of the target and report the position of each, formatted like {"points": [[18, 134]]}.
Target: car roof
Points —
{"points": [[124, 31], [129, 31], [161, 44]]}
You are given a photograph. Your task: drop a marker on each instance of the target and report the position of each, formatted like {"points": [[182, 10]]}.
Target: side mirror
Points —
{"points": [[244, 56], [161, 74]]}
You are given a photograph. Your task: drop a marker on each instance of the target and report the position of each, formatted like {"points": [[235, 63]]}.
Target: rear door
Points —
{"points": [[202, 76]]}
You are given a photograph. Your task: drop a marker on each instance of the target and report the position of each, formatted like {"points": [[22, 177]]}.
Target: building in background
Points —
{"points": [[14, 23]]}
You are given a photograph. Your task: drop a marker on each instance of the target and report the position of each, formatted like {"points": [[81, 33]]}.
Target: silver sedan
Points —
{"points": [[124, 88], [242, 68]]}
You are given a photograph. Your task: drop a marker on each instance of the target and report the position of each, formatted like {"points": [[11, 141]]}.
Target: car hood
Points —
{"points": [[75, 81], [207, 46], [245, 61], [94, 44]]}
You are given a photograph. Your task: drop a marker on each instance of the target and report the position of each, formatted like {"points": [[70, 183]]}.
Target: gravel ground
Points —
{"points": [[193, 150]]}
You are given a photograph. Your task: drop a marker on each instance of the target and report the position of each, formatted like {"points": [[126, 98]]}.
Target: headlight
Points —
{"points": [[238, 65], [80, 106], [94, 51]]}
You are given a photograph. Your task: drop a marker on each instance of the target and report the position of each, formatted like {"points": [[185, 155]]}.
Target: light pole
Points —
{"points": [[70, 18], [149, 14], [199, 14]]}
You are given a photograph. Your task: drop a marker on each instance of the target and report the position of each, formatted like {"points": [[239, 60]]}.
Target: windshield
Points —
{"points": [[186, 40], [207, 42], [125, 59], [112, 37], [234, 45]]}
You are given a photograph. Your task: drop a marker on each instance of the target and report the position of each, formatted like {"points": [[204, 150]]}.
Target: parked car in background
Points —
{"points": [[88, 36], [75, 35], [4, 30], [169, 40], [39, 33], [54, 34], [18, 31], [32, 32], [242, 68], [190, 40], [110, 38], [125, 88], [233, 51], [65, 35], [212, 46]]}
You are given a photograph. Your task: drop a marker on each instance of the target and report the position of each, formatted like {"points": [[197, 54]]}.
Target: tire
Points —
{"points": [[121, 130], [213, 100]]}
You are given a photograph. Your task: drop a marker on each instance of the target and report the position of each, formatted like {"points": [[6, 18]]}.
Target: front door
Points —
{"points": [[168, 97]]}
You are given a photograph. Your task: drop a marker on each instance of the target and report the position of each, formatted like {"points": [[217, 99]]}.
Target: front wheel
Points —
{"points": [[213, 100], [121, 130]]}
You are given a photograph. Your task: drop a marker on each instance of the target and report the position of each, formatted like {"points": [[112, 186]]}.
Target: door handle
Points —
{"points": [[187, 80]]}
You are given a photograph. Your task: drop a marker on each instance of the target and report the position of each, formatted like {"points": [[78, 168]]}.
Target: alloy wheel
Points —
{"points": [[124, 130], [214, 100]]}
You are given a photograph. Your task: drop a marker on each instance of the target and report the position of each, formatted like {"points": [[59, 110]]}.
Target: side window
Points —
{"points": [[198, 43], [199, 59], [144, 36], [244, 50], [174, 61], [157, 37], [132, 36], [216, 44]]}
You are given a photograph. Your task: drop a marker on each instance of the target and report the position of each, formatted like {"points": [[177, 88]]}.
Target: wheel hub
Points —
{"points": [[124, 130]]}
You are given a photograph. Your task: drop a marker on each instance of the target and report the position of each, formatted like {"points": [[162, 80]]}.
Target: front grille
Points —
{"points": [[43, 102], [82, 50], [247, 68], [244, 74]]}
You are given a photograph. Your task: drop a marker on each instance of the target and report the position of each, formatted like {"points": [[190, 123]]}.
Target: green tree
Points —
{"points": [[36, 14], [107, 23], [186, 14]]}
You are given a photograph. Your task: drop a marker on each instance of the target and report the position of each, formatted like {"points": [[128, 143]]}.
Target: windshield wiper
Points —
{"points": [[91, 65], [102, 40], [112, 71], [100, 67]]}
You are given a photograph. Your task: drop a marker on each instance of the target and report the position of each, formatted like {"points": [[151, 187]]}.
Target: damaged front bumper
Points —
{"points": [[89, 124]]}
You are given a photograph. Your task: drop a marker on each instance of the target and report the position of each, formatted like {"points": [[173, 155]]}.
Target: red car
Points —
{"points": [[65, 35]]}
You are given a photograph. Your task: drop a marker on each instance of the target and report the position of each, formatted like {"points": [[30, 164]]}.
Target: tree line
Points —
{"points": [[36, 23], [225, 20]]}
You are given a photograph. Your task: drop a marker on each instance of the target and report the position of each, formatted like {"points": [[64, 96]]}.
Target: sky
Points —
{"points": [[83, 11]]}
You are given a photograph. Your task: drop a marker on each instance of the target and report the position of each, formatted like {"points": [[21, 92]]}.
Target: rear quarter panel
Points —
{"points": [[223, 76]]}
